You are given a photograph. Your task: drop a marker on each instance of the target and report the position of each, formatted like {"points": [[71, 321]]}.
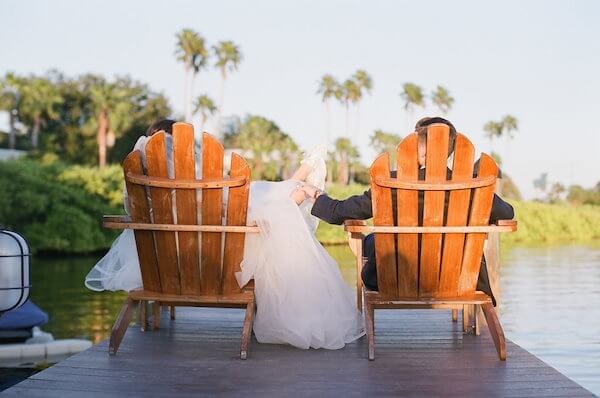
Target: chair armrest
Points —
{"points": [[355, 222], [356, 228], [507, 223], [122, 219]]}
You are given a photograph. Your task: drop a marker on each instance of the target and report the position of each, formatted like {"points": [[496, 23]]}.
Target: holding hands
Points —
{"points": [[304, 191]]}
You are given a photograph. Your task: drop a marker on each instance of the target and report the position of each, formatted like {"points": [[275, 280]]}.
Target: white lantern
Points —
{"points": [[14, 270]]}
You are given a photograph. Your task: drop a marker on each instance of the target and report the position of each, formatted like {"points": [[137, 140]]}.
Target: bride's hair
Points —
{"points": [[165, 125]]}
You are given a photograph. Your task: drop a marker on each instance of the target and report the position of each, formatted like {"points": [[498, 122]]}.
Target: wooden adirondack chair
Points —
{"points": [[182, 263], [434, 264]]}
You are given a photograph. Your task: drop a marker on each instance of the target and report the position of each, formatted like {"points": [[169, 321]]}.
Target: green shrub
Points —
{"points": [[53, 215]]}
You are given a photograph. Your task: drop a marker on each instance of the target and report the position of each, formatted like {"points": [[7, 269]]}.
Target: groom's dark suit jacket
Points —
{"points": [[358, 207]]}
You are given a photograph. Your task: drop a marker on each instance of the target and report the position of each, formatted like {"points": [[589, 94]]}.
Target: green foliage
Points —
{"points": [[413, 96], [442, 99], [509, 188], [502, 128], [191, 49], [542, 222], [581, 196], [268, 149], [228, 56], [54, 215], [328, 87], [106, 182], [66, 115]]}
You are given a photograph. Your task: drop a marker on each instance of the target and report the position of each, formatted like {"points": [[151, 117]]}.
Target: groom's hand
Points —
{"points": [[311, 191]]}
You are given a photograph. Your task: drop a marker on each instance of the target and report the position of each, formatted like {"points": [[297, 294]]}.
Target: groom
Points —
{"points": [[358, 207]]}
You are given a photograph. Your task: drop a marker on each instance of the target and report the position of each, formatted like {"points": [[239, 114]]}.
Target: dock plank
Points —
{"points": [[419, 353]]}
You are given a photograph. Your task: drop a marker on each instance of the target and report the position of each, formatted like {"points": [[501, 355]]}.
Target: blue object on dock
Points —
{"points": [[26, 316]]}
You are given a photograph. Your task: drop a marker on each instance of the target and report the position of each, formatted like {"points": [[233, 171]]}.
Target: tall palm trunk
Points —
{"points": [[12, 137], [101, 137], [357, 127], [191, 94], [221, 103], [186, 99], [343, 170], [328, 121], [347, 120], [35, 132]]}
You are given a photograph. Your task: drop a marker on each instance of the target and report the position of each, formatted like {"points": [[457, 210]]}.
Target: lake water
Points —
{"points": [[550, 303]]}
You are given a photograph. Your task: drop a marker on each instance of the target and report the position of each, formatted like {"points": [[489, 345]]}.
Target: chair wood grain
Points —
{"points": [[432, 262], [176, 270]]}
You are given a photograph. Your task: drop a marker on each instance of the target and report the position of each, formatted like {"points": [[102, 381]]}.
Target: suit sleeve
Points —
{"points": [[333, 211], [501, 210]]}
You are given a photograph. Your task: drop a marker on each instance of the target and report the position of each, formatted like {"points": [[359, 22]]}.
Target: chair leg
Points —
{"points": [[156, 315], [247, 330], [172, 312], [454, 315], [468, 316], [495, 329], [120, 326], [370, 321], [143, 315]]}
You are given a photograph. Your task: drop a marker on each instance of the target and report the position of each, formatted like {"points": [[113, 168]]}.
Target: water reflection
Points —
{"points": [[549, 306], [549, 303]]}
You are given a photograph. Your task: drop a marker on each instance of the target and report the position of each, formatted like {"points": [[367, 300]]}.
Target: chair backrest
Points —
{"points": [[428, 265], [184, 262]]}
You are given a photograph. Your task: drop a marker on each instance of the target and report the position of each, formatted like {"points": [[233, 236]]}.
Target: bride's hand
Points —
{"points": [[298, 195]]}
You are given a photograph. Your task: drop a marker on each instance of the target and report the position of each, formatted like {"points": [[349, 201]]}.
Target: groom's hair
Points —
{"points": [[423, 123], [165, 125]]}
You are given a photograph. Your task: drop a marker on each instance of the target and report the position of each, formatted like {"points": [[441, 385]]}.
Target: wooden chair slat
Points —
{"points": [[166, 248], [212, 202], [140, 212], [480, 213], [237, 209], [433, 209], [184, 161], [381, 197], [457, 213], [408, 216], [438, 256]]}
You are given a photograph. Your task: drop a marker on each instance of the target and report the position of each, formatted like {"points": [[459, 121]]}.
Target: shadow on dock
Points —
{"points": [[419, 353]]}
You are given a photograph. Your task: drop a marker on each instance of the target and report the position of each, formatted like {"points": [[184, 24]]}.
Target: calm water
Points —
{"points": [[550, 303]]}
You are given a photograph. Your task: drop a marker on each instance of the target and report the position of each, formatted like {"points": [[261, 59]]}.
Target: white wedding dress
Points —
{"points": [[301, 296]]}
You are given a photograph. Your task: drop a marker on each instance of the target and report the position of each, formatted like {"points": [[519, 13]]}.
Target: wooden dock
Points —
{"points": [[419, 353]]}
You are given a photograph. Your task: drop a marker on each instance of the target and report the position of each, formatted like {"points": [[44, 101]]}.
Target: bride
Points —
{"points": [[301, 297]]}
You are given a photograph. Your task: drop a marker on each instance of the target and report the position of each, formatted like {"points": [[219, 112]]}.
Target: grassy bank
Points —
{"points": [[59, 208], [538, 222]]}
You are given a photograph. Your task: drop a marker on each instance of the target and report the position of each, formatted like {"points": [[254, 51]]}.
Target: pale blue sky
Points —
{"points": [[536, 60]]}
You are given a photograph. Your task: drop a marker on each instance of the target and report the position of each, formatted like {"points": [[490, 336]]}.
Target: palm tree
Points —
{"points": [[9, 102], [382, 141], [205, 106], [111, 104], [349, 92], [191, 50], [364, 83], [39, 98], [442, 99], [413, 97], [510, 124], [345, 154], [328, 86], [229, 58], [503, 128], [261, 137]]}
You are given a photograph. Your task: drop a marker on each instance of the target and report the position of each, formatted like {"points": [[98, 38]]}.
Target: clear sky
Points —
{"points": [[536, 60]]}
